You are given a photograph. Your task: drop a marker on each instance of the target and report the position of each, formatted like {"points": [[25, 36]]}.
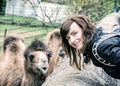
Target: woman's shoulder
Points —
{"points": [[96, 36], [106, 46], [99, 29]]}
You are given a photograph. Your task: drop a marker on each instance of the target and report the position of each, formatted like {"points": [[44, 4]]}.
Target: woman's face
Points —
{"points": [[75, 36]]}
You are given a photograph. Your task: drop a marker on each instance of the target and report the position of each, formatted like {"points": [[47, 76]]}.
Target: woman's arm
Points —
{"points": [[109, 50]]}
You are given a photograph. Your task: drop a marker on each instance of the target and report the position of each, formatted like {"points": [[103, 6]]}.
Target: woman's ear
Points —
{"points": [[26, 54]]}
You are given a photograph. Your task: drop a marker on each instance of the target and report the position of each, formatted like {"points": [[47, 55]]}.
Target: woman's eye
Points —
{"points": [[74, 33], [67, 38]]}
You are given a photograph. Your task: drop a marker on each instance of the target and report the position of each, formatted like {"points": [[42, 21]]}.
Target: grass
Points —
{"points": [[33, 32], [25, 21], [28, 28], [19, 20]]}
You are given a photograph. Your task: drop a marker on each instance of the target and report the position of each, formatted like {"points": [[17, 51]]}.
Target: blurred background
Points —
{"points": [[35, 18]]}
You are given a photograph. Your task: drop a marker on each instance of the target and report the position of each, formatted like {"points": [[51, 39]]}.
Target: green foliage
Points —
{"points": [[2, 7], [95, 9]]}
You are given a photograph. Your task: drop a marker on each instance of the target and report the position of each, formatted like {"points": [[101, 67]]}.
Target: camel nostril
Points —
{"points": [[44, 61], [44, 68]]}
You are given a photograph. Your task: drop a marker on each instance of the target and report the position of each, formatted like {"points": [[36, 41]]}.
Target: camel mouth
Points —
{"points": [[44, 70]]}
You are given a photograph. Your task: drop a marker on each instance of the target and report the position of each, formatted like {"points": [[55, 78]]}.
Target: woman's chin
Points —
{"points": [[79, 47]]}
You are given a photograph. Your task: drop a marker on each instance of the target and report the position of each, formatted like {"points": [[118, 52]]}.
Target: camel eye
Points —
{"points": [[49, 54], [31, 57]]}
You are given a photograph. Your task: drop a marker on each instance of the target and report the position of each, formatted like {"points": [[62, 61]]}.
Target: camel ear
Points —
{"points": [[26, 54]]}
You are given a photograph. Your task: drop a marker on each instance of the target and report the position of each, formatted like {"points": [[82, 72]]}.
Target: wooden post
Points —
{"points": [[5, 32]]}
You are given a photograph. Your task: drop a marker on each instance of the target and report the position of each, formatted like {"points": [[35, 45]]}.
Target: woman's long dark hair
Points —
{"points": [[88, 29]]}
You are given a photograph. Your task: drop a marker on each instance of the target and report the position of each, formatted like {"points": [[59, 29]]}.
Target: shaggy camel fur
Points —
{"points": [[53, 40], [11, 61], [36, 64]]}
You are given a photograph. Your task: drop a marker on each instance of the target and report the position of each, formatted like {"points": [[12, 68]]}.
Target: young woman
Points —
{"points": [[79, 35]]}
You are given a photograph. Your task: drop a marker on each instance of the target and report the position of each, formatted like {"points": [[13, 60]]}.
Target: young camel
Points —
{"points": [[36, 64], [53, 40], [11, 61]]}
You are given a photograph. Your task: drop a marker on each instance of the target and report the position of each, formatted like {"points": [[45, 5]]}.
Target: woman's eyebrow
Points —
{"points": [[72, 32]]}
